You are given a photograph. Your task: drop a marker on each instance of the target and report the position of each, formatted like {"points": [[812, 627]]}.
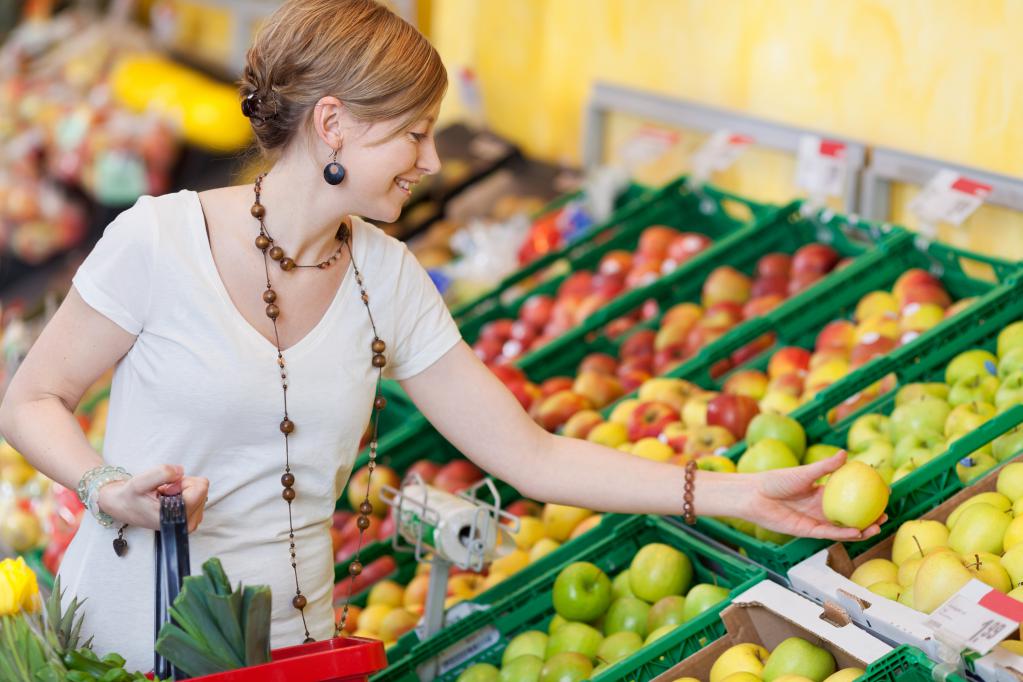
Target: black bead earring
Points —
{"points": [[334, 172]]}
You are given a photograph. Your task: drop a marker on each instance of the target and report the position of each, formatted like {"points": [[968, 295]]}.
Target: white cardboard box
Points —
{"points": [[824, 578], [767, 614]]}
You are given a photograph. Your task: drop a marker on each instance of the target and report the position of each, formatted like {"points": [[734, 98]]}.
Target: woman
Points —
{"points": [[241, 378]]}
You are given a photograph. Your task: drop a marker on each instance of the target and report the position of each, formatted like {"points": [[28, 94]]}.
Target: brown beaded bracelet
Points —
{"points": [[687, 497]]}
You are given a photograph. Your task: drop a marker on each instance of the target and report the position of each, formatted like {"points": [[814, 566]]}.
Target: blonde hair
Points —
{"points": [[359, 51]]}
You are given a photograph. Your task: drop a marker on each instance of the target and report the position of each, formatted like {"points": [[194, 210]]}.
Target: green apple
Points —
{"points": [[741, 525], [875, 571], [556, 623], [618, 646], [879, 453], [1008, 445], [906, 598], [1009, 338], [741, 658], [912, 392], [867, 429], [855, 496], [481, 672], [889, 589], [529, 643], [796, 656], [916, 538], [1010, 392], [1012, 562], [659, 632], [970, 363], [925, 414], [566, 667], [996, 500], [582, 592], [1010, 481], [974, 465], [912, 444], [979, 388], [778, 427], [574, 637], [766, 454], [988, 569], [627, 614], [668, 610], [620, 586], [703, 597], [522, 669], [1013, 534], [658, 570], [819, 453], [846, 675], [940, 576], [967, 417], [761, 533], [1017, 507], [980, 528], [1010, 363]]}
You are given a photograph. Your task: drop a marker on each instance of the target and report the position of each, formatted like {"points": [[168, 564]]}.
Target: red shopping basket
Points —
{"points": [[341, 659]]}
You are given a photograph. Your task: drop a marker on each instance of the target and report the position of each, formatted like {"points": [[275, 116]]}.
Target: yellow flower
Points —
{"points": [[19, 590]]}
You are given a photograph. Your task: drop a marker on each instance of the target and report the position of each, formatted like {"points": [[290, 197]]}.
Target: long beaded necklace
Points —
{"points": [[273, 252]]}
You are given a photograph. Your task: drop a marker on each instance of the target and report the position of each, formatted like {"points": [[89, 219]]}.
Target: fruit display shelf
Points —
{"points": [[905, 664], [525, 601], [922, 360], [551, 261]]}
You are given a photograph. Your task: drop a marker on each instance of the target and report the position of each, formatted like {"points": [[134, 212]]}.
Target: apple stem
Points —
{"points": [[919, 547]]}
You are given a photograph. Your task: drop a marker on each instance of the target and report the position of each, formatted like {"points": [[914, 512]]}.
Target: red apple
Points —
{"points": [[537, 310], [682, 312], [556, 409], [382, 475], [802, 281], [913, 277], [581, 423], [733, 412], [676, 435], [609, 285], [753, 349], [774, 265], [667, 359], [578, 284], [456, 475], [708, 440], [523, 331], [749, 382], [923, 293], [726, 283], [869, 348], [487, 350], [851, 405], [618, 327], [426, 469], [524, 507], [555, 385], [590, 305], [599, 388], [643, 274], [638, 345], [723, 314], [526, 392], [649, 419], [788, 360], [508, 374], [615, 262], [817, 258], [655, 240], [839, 334], [632, 373], [701, 336], [673, 334], [599, 362], [764, 285], [498, 330], [511, 350], [758, 307], [790, 384], [683, 247]]}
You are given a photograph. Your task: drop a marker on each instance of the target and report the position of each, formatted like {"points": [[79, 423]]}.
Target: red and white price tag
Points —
{"points": [[976, 617], [821, 166], [949, 197], [647, 145], [718, 153]]}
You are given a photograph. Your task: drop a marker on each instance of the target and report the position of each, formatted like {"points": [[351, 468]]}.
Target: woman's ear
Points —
{"points": [[328, 119]]}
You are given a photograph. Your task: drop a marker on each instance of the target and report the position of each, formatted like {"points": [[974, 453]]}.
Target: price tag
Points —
{"points": [[949, 197], [718, 153], [821, 167], [647, 145], [976, 617]]}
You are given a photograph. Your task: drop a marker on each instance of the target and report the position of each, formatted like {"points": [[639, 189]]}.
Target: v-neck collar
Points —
{"points": [[200, 235]]}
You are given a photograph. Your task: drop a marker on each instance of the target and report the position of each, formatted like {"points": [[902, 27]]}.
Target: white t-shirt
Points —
{"points": [[201, 388]]}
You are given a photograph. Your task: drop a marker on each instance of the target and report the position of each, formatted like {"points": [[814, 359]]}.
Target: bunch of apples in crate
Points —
{"points": [[542, 318], [981, 538], [541, 531], [882, 321], [793, 660], [600, 621]]}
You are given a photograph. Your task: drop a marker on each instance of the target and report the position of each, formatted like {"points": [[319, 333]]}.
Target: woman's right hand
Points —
{"points": [[135, 501]]}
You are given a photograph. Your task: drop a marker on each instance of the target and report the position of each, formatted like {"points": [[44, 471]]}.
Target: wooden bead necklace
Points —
{"points": [[271, 251]]}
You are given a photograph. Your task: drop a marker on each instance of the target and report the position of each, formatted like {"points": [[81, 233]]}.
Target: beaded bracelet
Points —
{"points": [[87, 478], [688, 512], [100, 477]]}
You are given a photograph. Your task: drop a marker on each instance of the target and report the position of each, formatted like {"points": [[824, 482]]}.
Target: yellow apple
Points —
{"points": [[386, 592], [510, 563], [560, 520], [988, 569], [372, 616], [940, 576], [741, 658], [653, 449], [531, 529], [855, 496], [623, 411], [916, 538], [888, 589], [875, 571], [610, 433], [994, 499], [542, 548]]}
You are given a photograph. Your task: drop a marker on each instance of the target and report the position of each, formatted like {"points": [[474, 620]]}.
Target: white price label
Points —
{"points": [[718, 153], [821, 166], [949, 197], [465, 649], [976, 617], [647, 145]]}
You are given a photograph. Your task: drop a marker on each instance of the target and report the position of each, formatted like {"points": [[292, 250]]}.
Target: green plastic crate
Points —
{"points": [[528, 605], [479, 305], [906, 664], [922, 360]]}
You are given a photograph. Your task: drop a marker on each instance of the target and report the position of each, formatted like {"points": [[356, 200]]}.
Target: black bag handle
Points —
{"points": [[172, 566]]}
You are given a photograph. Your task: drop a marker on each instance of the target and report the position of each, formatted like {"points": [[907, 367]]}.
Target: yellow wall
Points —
{"points": [[942, 78]]}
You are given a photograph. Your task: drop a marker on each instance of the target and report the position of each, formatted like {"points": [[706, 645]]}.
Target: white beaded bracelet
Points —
{"points": [[107, 474]]}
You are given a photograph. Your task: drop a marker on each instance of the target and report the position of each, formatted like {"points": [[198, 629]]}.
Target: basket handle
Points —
{"points": [[172, 566]]}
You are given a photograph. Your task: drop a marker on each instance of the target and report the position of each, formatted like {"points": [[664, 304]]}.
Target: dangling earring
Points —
{"points": [[334, 172]]}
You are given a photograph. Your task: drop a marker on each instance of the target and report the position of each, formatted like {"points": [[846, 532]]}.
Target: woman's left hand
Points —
{"points": [[790, 501]]}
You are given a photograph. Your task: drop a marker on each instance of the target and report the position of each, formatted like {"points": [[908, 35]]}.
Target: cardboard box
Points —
{"points": [[824, 578], [767, 614]]}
